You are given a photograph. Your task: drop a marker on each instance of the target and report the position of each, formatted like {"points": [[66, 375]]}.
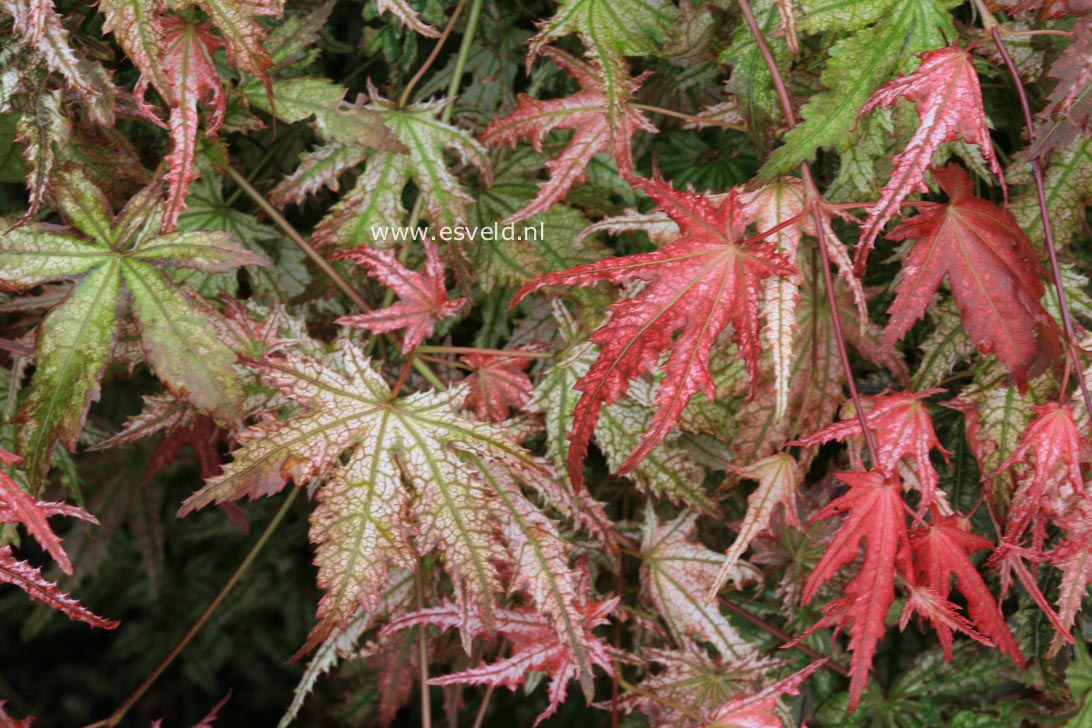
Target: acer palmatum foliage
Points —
{"points": [[499, 336]]}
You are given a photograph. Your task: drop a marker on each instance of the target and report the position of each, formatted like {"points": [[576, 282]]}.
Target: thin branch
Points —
{"points": [[1048, 229], [422, 651], [432, 56], [332, 273], [782, 635], [813, 199], [194, 628], [703, 120], [292, 234], [480, 717]]}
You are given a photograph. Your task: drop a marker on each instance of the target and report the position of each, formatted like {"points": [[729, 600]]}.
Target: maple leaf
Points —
{"points": [[609, 31], [422, 297], [75, 340], [817, 377], [416, 153], [1073, 558], [941, 551], [18, 507], [874, 515], [38, 26], [600, 123], [668, 471], [903, 429], [536, 647], [706, 279], [8, 722], [1068, 189], [175, 57], [945, 91], [398, 598], [782, 207], [993, 272], [558, 240], [407, 16], [237, 21], [881, 37], [192, 83], [30, 579], [677, 575], [466, 500], [759, 710], [1067, 115], [778, 477], [1052, 439], [996, 414], [496, 384], [628, 28], [688, 679]]}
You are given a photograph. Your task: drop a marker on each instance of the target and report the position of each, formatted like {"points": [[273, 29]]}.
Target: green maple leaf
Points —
{"points": [[419, 477], [1068, 188], [885, 35], [208, 209], [376, 199], [611, 29], [115, 261], [558, 242]]}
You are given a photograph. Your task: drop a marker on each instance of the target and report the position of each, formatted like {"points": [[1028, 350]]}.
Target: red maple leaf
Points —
{"points": [[875, 514], [1073, 558], [993, 272], [945, 90], [422, 297], [760, 710], [190, 83], [497, 384], [698, 284], [17, 506], [599, 122], [1068, 112], [941, 552], [536, 647], [1050, 488], [903, 429]]}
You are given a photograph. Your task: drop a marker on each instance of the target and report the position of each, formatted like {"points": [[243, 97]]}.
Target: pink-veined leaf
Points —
{"points": [[707, 278], [599, 123], [945, 91], [422, 297]]}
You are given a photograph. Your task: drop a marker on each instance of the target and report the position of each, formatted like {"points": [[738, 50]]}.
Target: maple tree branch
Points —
{"points": [[422, 650], [292, 234], [782, 635], [480, 717], [323, 265], [432, 56], [1048, 229], [813, 199], [194, 628]]}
